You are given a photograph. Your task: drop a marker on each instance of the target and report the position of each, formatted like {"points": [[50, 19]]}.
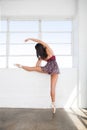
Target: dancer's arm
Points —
{"points": [[38, 63], [36, 40], [41, 42]]}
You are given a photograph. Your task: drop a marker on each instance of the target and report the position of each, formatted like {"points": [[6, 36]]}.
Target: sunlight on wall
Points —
{"points": [[82, 94], [72, 101]]}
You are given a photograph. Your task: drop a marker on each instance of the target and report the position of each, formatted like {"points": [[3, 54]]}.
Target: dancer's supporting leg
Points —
{"points": [[54, 78]]}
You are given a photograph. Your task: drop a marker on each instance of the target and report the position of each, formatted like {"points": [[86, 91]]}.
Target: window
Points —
{"points": [[3, 40], [58, 34]]}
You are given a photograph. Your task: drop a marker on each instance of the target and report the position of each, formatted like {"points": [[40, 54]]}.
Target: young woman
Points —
{"points": [[44, 52]]}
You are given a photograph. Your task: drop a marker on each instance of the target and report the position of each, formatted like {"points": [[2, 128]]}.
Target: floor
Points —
{"points": [[42, 119]]}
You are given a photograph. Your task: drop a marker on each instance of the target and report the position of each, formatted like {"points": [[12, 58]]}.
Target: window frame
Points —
{"points": [[39, 35]]}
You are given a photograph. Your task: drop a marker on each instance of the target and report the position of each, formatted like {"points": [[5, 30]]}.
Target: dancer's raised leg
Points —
{"points": [[36, 68]]}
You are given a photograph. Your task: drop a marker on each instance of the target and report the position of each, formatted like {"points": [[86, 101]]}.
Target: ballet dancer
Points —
{"points": [[44, 52]]}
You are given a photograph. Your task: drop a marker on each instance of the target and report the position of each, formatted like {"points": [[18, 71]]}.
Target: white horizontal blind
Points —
{"points": [[59, 36], [13, 49]]}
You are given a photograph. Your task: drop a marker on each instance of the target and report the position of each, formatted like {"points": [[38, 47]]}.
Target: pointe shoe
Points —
{"points": [[53, 109]]}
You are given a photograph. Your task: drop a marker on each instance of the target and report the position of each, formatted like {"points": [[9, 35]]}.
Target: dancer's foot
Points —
{"points": [[53, 109], [18, 65]]}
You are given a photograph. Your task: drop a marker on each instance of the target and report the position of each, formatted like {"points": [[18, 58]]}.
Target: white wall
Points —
{"points": [[19, 88], [38, 8], [82, 17], [0, 11]]}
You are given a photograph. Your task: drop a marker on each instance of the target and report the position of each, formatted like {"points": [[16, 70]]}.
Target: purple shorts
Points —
{"points": [[51, 67]]}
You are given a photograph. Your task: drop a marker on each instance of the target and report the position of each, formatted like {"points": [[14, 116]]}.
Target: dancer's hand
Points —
{"points": [[18, 65], [26, 40]]}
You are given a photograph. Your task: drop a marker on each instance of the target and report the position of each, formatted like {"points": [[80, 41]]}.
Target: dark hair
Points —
{"points": [[41, 51]]}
